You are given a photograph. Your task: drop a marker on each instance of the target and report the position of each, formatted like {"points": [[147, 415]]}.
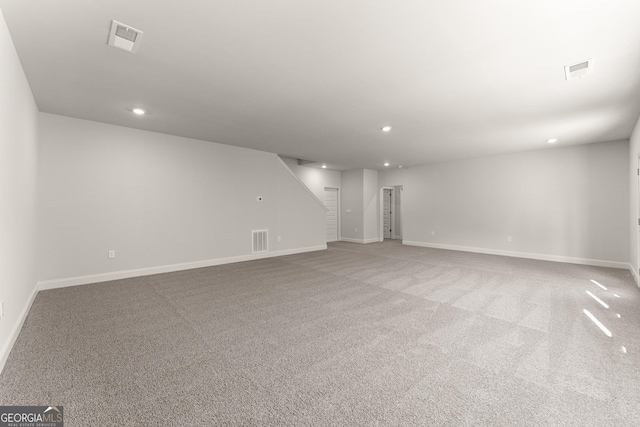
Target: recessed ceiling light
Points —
{"points": [[386, 163], [138, 111], [386, 129], [324, 166], [552, 140], [399, 166]]}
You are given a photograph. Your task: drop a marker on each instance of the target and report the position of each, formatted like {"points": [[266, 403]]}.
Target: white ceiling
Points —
{"points": [[317, 80]]}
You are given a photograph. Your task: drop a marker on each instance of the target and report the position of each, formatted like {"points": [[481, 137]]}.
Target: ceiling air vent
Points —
{"points": [[124, 37], [578, 70]]}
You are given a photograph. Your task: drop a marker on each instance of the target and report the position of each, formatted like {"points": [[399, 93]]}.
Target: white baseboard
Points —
{"points": [[13, 335], [125, 274], [362, 241], [350, 240], [542, 257]]}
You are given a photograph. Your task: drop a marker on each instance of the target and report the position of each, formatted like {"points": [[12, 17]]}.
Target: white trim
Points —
{"points": [[362, 241], [350, 240], [125, 274], [636, 220], [282, 162], [381, 212], [543, 257], [394, 194], [15, 331]]}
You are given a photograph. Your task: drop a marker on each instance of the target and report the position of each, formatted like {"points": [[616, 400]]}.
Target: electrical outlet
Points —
{"points": [[112, 254], [509, 239], [433, 233], [279, 239], [356, 230]]}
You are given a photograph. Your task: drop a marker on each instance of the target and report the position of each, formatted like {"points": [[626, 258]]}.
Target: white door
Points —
{"points": [[386, 213], [331, 202]]}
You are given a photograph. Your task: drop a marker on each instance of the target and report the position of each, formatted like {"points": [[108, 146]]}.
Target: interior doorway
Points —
{"points": [[391, 212], [387, 211], [637, 272]]}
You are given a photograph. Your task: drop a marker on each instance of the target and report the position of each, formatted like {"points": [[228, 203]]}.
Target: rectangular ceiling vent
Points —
{"points": [[260, 241], [578, 70], [124, 37]]}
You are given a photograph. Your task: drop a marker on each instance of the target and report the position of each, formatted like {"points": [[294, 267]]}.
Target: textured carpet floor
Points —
{"points": [[358, 335]]}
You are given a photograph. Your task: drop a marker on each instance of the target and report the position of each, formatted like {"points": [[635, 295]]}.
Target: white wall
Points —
{"points": [[397, 212], [18, 180], [360, 197], [352, 207], [160, 201], [371, 203], [568, 203], [634, 211]]}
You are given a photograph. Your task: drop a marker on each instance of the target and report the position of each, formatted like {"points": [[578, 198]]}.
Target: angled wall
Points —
{"points": [[315, 179], [161, 202]]}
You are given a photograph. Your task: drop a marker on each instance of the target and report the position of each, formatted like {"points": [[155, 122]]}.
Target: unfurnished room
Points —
{"points": [[339, 213]]}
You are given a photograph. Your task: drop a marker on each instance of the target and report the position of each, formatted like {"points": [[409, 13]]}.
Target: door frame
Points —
{"points": [[392, 217], [394, 194], [636, 221], [339, 223]]}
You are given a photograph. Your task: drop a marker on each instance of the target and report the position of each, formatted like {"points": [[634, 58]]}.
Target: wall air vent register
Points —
{"points": [[124, 37], [578, 70], [259, 241]]}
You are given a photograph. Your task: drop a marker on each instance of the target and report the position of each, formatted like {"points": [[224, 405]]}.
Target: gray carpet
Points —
{"points": [[358, 335]]}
